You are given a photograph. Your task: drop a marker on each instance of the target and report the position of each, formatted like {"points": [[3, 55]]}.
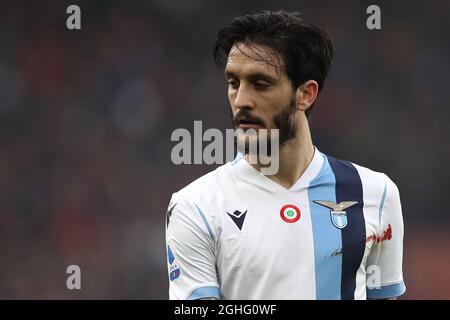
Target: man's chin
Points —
{"points": [[254, 145]]}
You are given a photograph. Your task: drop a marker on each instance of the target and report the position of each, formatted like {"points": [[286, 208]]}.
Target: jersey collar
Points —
{"points": [[246, 172]]}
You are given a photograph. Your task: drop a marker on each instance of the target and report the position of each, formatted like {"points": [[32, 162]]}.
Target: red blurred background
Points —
{"points": [[86, 118]]}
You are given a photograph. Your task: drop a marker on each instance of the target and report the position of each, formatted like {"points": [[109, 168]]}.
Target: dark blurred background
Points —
{"points": [[86, 118]]}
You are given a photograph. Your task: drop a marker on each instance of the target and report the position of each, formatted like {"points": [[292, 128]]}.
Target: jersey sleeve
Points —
{"points": [[191, 252], [384, 267]]}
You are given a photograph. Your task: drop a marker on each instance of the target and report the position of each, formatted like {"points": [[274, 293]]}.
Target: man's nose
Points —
{"points": [[244, 99]]}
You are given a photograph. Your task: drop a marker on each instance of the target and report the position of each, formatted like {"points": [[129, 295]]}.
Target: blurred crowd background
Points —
{"points": [[86, 118]]}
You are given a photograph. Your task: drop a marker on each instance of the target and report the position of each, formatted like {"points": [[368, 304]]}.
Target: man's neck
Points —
{"points": [[294, 158]]}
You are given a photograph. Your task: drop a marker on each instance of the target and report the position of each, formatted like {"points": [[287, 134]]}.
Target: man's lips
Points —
{"points": [[249, 124]]}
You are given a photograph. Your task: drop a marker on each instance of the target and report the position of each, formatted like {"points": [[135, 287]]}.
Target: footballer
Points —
{"points": [[319, 228]]}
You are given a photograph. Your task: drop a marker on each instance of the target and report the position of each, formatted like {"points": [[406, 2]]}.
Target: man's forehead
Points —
{"points": [[254, 57]]}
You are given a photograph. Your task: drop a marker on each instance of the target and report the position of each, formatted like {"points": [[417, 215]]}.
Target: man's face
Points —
{"points": [[260, 94]]}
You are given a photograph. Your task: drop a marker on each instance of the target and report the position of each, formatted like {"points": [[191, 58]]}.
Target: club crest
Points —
{"points": [[337, 214]]}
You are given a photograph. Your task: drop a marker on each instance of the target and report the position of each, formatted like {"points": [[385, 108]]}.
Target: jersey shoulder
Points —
{"points": [[378, 180], [205, 186], [200, 202], [374, 183]]}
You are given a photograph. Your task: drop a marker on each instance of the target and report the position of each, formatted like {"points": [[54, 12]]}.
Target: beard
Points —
{"points": [[284, 121]]}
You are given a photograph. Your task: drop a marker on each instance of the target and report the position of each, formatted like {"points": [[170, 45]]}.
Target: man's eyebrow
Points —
{"points": [[262, 76], [229, 74], [253, 76]]}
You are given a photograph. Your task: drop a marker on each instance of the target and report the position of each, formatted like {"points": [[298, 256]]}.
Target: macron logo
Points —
{"points": [[238, 218]]}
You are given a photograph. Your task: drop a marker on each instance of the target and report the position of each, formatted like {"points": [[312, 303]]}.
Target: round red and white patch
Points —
{"points": [[290, 213]]}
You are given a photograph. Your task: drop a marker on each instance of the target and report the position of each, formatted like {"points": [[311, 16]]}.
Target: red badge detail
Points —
{"points": [[290, 213]]}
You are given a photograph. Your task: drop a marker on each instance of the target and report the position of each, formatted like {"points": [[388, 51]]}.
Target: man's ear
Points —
{"points": [[306, 94]]}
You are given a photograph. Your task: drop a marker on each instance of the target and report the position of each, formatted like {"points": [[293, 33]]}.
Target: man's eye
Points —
{"points": [[261, 85], [233, 84]]}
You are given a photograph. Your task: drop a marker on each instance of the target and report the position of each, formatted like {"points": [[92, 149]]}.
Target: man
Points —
{"points": [[320, 228]]}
